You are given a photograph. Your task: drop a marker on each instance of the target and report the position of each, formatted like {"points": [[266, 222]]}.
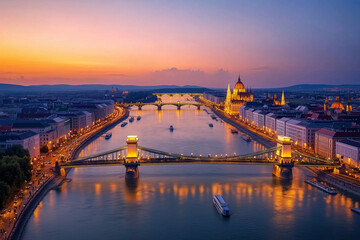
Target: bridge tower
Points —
{"points": [[178, 105], [159, 104], [132, 159], [283, 154], [59, 170], [140, 106]]}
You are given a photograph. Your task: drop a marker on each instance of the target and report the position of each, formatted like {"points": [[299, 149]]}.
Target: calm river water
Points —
{"points": [[175, 201]]}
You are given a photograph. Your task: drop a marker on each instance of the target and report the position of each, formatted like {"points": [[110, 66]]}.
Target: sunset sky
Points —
{"points": [[205, 43]]}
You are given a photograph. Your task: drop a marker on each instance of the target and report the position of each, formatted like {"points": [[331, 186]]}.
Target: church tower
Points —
{"points": [[349, 105], [276, 100], [282, 99], [326, 104]]}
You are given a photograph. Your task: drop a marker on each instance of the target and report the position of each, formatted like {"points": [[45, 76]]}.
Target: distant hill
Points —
{"points": [[12, 88], [321, 87]]}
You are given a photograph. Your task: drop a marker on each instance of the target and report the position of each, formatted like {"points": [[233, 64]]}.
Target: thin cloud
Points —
{"points": [[3, 73], [117, 75], [261, 68]]}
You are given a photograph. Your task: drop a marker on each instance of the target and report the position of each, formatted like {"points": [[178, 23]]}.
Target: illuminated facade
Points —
{"points": [[276, 100], [326, 139], [326, 104], [349, 105], [29, 140], [349, 151], [237, 98]]}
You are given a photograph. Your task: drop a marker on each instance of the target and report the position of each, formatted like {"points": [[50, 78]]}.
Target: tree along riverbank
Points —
{"points": [[15, 170]]}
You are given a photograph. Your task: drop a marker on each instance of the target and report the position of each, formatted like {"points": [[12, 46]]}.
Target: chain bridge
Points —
{"points": [[281, 157]]}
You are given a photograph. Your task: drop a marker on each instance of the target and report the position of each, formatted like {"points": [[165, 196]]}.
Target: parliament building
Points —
{"points": [[237, 98]]}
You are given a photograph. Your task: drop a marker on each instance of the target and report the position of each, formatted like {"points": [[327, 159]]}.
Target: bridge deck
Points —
{"points": [[165, 161], [153, 156]]}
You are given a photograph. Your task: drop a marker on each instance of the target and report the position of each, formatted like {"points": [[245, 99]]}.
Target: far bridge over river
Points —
{"points": [[159, 104], [281, 157]]}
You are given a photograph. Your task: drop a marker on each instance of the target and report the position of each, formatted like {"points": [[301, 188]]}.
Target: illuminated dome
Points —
{"points": [[337, 104], [239, 85]]}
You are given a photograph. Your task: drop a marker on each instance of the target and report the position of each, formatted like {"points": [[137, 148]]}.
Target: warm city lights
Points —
{"points": [[179, 119]]}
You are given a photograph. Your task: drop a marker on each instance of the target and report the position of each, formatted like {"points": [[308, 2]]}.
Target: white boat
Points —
{"points": [[138, 118], [131, 119], [357, 210], [221, 206], [124, 124], [171, 128], [211, 125], [321, 186], [108, 135]]}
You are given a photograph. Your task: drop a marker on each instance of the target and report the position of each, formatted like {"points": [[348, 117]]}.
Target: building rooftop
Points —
{"points": [[320, 116], [314, 124], [55, 120], [30, 124], [351, 142], [338, 134], [16, 135], [293, 121], [285, 119], [72, 114]]}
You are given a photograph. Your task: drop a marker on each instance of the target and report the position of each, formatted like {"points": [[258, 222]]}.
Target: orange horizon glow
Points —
{"points": [[181, 43]]}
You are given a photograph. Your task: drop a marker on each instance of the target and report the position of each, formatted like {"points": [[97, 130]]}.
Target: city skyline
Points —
{"points": [[201, 119], [179, 43]]}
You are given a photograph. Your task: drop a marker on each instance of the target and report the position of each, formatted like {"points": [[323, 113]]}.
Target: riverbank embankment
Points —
{"points": [[339, 183], [91, 138], [32, 204], [54, 182], [259, 139], [329, 178]]}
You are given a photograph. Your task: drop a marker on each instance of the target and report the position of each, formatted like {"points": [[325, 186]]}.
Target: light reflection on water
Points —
{"points": [[175, 201], [98, 199], [191, 135]]}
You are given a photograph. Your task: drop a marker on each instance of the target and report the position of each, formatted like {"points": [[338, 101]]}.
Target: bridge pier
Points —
{"points": [[139, 107], [59, 170], [159, 107], [284, 169], [178, 107], [198, 107], [132, 171], [132, 159]]}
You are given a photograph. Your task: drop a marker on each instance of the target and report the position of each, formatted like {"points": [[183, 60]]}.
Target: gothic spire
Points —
{"points": [[283, 98], [228, 93], [239, 80]]}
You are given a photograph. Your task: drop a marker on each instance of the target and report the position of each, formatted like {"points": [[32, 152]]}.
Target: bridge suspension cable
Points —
{"points": [[99, 155]]}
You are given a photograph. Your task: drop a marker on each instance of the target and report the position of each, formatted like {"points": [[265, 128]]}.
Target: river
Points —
{"points": [[175, 201]]}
